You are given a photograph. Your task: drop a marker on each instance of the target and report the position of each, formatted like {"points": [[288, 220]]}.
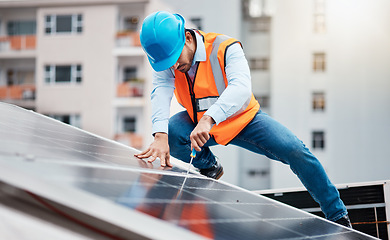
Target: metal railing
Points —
{"points": [[17, 43], [130, 89], [17, 92], [128, 39]]}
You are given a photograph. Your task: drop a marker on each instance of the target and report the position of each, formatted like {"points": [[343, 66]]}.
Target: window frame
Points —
{"points": [[50, 26], [74, 119], [125, 75], [76, 74], [319, 17], [198, 22], [131, 23], [264, 101], [134, 123], [259, 63], [318, 101], [260, 24], [319, 62], [318, 139], [17, 27]]}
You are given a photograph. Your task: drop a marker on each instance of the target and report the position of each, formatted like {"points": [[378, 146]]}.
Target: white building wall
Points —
{"points": [[360, 98], [221, 16], [92, 99], [355, 83]]}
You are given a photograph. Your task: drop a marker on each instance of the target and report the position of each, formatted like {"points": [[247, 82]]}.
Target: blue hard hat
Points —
{"points": [[162, 38]]}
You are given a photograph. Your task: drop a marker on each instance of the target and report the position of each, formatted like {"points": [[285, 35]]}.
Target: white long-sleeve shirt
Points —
{"points": [[238, 91]]}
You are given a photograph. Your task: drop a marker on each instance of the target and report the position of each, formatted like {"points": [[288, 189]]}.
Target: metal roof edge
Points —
{"points": [[338, 186]]}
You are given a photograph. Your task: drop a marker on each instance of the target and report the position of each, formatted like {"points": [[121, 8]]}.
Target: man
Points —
{"points": [[210, 77]]}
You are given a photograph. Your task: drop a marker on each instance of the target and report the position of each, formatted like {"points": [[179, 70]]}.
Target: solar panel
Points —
{"points": [[98, 183]]}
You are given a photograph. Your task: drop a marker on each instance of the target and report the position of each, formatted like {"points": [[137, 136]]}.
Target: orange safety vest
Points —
{"points": [[209, 82]]}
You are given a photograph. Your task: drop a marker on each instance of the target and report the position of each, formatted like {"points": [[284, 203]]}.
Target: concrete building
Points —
{"points": [[330, 84], [80, 62], [319, 67]]}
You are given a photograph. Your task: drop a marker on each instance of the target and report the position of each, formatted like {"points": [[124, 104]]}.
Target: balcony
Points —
{"points": [[130, 94], [131, 89], [22, 95], [130, 139], [128, 39], [17, 43], [18, 92], [14, 46], [128, 44]]}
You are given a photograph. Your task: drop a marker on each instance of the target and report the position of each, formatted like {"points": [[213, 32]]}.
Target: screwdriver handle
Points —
{"points": [[193, 154]]}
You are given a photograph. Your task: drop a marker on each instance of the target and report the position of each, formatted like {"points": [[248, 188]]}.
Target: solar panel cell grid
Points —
{"points": [[70, 159]]}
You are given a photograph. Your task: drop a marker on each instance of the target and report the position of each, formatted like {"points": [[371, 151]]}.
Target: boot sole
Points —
{"points": [[219, 175]]}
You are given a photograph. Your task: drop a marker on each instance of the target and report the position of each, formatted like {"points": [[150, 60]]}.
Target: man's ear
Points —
{"points": [[188, 36]]}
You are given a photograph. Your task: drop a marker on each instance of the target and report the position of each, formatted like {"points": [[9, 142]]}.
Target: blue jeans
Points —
{"points": [[266, 136]]}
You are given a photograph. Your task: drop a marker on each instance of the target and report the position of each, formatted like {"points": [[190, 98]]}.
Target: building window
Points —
{"points": [[63, 24], [129, 74], [260, 24], [319, 62], [319, 23], [319, 16], [253, 8], [255, 12], [71, 119], [131, 23], [21, 28], [129, 124], [259, 64], [63, 73], [264, 101], [318, 140], [318, 101], [197, 21]]}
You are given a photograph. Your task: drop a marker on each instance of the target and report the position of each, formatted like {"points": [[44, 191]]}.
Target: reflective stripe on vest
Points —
{"points": [[209, 82], [205, 103], [217, 71]]}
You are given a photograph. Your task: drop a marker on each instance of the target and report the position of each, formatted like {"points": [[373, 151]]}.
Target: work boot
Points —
{"points": [[216, 171], [344, 221]]}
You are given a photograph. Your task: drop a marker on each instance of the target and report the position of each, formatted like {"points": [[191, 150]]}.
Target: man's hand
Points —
{"points": [[200, 135], [158, 149]]}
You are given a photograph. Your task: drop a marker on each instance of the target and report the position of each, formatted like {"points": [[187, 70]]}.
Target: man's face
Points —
{"points": [[184, 62]]}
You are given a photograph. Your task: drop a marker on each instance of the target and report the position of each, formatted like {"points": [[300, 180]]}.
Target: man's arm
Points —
{"points": [[238, 91], [161, 96]]}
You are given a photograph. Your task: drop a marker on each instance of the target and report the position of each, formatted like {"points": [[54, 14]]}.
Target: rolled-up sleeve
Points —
{"points": [[161, 97], [239, 87]]}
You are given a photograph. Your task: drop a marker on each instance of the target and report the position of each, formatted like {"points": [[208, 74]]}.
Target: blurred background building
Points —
{"points": [[321, 67]]}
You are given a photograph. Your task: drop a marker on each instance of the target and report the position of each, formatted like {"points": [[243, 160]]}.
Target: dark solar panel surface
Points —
{"points": [[61, 155]]}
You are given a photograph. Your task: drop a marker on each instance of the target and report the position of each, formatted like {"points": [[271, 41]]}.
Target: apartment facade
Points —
{"points": [[319, 67], [80, 62], [330, 85], [248, 22]]}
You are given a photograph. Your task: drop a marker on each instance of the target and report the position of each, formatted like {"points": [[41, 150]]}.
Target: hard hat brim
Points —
{"points": [[171, 60], [168, 62]]}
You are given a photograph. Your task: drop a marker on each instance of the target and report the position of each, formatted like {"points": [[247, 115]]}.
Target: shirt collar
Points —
{"points": [[200, 53]]}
